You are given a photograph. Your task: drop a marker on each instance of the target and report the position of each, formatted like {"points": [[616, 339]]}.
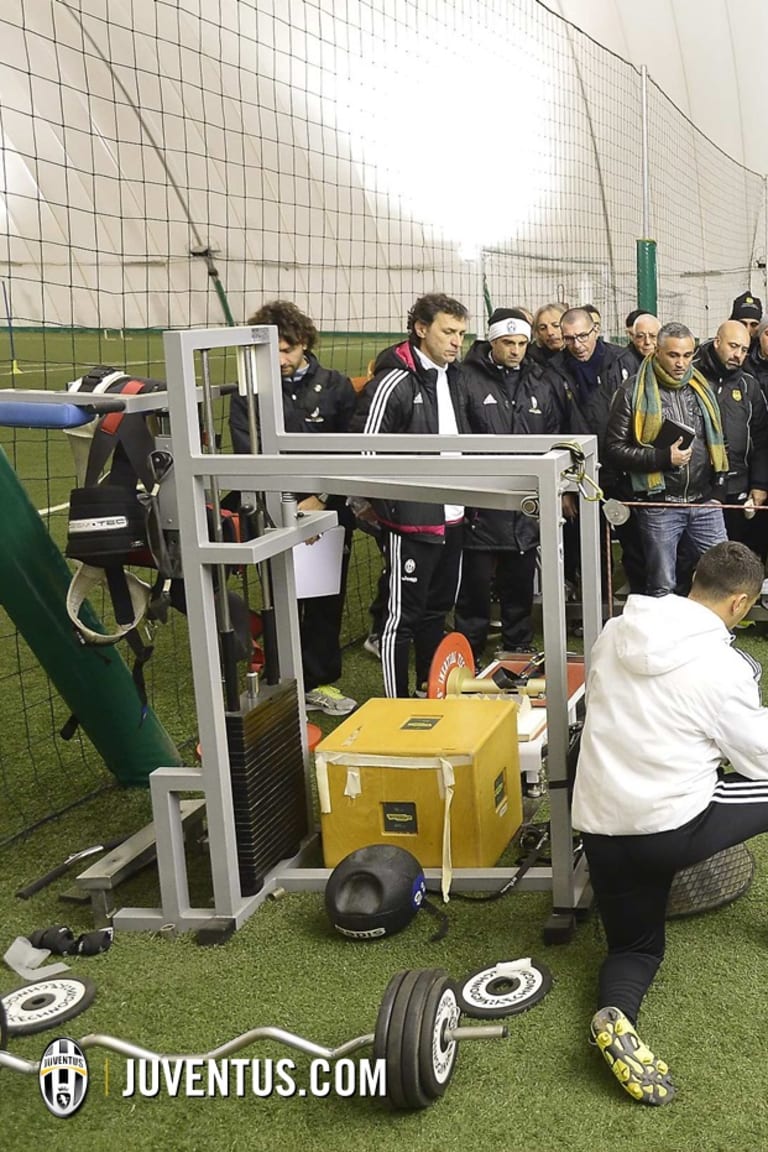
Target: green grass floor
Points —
{"points": [[543, 1088]]}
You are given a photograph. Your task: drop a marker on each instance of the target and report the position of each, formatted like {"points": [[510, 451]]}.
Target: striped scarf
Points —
{"points": [[647, 417]]}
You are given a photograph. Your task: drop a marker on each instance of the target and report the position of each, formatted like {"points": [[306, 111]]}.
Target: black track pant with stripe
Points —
{"points": [[423, 580], [515, 572], [631, 877]]}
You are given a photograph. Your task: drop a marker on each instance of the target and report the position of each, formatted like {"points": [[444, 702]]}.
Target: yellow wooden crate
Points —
{"points": [[438, 777]]}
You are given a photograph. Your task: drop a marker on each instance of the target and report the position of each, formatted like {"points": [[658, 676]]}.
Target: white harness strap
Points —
{"points": [[85, 580]]}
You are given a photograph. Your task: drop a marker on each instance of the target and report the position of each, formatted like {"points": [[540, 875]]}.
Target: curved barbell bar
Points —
{"points": [[290, 1039]]}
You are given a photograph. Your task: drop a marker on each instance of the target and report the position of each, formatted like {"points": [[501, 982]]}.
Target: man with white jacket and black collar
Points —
{"points": [[669, 699]]}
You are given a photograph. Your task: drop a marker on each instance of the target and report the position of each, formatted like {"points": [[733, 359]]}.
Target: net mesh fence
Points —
{"points": [[176, 163]]}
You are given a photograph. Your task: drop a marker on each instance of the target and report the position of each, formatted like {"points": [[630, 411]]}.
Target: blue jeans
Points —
{"points": [[662, 529]]}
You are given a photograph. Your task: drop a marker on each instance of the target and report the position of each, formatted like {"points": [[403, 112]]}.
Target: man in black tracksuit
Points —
{"points": [[723, 363], [584, 377], [505, 395], [416, 389], [315, 399]]}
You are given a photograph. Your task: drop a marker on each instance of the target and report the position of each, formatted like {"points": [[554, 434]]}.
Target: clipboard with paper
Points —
{"points": [[317, 567]]}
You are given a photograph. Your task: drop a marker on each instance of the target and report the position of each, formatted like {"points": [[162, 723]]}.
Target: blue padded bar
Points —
{"points": [[16, 414]]}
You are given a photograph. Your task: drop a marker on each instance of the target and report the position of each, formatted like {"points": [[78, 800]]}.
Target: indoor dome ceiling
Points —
{"points": [[707, 55]]}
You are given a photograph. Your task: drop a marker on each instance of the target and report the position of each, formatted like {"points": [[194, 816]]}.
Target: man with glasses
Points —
{"points": [[584, 377], [643, 334]]}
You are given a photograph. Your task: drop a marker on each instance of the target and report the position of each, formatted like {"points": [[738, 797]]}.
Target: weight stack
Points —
{"points": [[268, 789]]}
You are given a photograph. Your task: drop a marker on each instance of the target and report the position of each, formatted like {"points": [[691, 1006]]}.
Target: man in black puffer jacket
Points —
{"points": [[505, 395], [745, 426], [416, 389]]}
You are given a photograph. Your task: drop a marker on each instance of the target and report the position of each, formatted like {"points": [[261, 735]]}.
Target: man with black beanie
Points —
{"points": [[749, 310]]}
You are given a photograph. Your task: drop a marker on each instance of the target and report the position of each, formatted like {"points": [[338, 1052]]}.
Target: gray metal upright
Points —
{"points": [[494, 472]]}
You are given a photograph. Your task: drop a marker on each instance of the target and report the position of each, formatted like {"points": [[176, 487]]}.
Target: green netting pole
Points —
{"points": [[647, 290], [223, 299], [206, 254], [646, 276], [96, 684], [487, 298]]}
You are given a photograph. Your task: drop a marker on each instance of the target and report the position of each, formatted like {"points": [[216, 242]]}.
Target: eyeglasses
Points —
{"points": [[580, 337]]}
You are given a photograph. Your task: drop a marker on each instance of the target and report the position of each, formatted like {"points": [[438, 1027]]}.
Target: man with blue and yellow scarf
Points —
{"points": [[680, 482]]}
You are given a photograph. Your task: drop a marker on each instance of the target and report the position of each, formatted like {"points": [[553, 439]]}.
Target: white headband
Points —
{"points": [[510, 327]]}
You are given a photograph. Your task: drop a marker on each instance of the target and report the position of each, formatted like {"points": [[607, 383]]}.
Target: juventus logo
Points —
{"points": [[63, 1077]]}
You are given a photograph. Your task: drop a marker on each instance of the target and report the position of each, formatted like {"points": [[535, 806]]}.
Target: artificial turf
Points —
{"points": [[542, 1089]]}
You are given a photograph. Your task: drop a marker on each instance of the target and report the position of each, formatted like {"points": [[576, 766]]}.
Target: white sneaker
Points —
{"points": [[326, 698], [371, 644]]}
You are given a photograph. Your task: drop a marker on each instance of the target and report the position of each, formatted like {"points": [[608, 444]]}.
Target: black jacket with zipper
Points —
{"points": [[696, 481], [504, 402], [745, 422], [322, 400], [585, 411], [401, 398]]}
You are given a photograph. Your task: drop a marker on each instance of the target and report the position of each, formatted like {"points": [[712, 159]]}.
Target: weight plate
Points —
{"points": [[410, 1052], [46, 1003], [507, 988], [381, 1032], [453, 651], [437, 1055], [396, 1095], [3, 1028]]}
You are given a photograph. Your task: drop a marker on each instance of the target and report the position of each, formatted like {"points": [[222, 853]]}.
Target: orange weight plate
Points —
{"points": [[453, 651]]}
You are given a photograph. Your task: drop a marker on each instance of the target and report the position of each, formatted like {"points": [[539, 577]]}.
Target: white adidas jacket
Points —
{"points": [[668, 699]]}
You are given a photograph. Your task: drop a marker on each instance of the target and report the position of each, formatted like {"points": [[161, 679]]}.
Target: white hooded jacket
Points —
{"points": [[668, 701]]}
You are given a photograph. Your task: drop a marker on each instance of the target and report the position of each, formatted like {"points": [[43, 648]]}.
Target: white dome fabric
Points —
{"points": [[707, 55], [354, 157]]}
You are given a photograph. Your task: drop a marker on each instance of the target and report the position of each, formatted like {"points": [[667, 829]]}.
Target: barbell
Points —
{"points": [[452, 673], [417, 1034]]}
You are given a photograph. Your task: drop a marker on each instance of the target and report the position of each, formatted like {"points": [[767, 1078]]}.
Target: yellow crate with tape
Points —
{"points": [[438, 777]]}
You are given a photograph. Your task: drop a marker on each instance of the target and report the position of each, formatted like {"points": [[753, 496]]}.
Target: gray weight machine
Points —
{"points": [[508, 472]]}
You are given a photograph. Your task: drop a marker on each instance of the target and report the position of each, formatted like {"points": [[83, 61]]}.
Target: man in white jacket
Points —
{"points": [[668, 701]]}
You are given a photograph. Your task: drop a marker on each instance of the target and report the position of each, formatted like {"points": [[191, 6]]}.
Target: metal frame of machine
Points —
{"points": [[499, 472]]}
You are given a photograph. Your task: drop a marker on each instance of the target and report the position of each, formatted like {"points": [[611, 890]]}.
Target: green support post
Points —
{"points": [[95, 683], [646, 276]]}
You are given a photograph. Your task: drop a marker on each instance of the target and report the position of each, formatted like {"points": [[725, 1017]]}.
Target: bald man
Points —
{"points": [[745, 427]]}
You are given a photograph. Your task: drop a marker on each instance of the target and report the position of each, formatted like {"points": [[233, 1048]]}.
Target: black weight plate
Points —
{"points": [[381, 1032], [410, 1063], [504, 989], [46, 1004], [437, 1055], [3, 1028], [396, 1095]]}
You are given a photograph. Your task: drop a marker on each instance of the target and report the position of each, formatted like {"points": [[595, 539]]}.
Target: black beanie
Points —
{"points": [[507, 314], [747, 307]]}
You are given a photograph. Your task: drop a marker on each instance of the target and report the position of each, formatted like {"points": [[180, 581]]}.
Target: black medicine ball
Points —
{"points": [[375, 891]]}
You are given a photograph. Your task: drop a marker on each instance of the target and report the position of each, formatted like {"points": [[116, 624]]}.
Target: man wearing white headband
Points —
{"points": [[505, 395]]}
